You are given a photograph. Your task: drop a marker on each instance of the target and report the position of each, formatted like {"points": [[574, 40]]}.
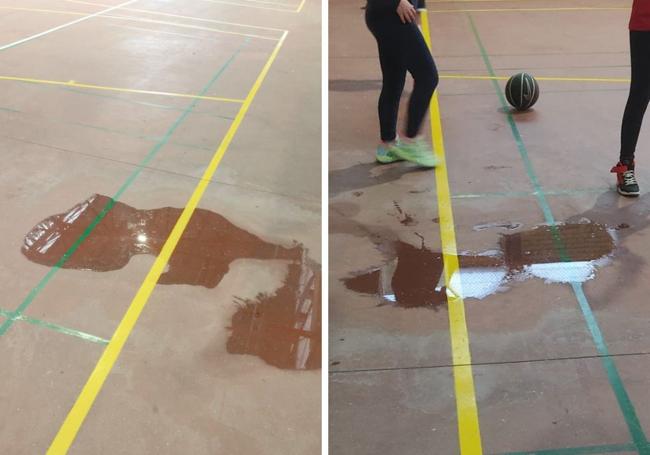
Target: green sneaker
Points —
{"points": [[417, 151], [384, 155]]}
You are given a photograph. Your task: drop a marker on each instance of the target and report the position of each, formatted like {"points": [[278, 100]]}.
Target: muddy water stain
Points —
{"points": [[555, 244], [202, 257], [291, 318], [416, 274], [414, 277], [365, 283]]}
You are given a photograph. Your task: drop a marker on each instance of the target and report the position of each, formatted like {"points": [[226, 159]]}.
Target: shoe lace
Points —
{"points": [[629, 178]]}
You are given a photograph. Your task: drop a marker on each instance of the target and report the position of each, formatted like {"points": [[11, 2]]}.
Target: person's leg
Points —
{"points": [[393, 76], [639, 96], [385, 29], [420, 64], [635, 109]]}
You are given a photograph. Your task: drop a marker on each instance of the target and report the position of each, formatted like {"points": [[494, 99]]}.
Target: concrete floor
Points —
{"points": [[215, 364], [544, 382]]}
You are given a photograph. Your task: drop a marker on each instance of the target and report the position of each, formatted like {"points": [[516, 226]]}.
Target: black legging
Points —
{"points": [[401, 48], [639, 97]]}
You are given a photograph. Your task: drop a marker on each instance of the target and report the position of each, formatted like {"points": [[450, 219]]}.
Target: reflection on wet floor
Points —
{"points": [[354, 85], [284, 329], [557, 254]]}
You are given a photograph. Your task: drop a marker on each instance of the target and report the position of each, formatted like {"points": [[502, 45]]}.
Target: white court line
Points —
{"points": [[151, 30], [243, 5], [147, 21], [193, 27], [46, 32], [264, 2], [179, 16]]}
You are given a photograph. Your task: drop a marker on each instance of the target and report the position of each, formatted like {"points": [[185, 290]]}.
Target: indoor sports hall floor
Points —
{"points": [[118, 119], [553, 264]]}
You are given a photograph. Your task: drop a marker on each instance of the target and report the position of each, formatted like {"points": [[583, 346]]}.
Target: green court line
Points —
{"points": [[57, 328], [136, 136], [521, 194], [129, 181], [625, 403], [612, 448]]}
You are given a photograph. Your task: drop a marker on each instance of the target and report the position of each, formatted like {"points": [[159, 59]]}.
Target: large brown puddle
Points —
{"points": [[284, 329], [414, 277]]}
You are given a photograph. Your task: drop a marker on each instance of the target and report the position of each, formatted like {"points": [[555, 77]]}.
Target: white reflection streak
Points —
{"points": [[76, 213], [303, 353], [50, 241]]}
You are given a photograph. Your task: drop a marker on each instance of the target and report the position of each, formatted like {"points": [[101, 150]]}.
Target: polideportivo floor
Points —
{"points": [[161, 158], [556, 317]]}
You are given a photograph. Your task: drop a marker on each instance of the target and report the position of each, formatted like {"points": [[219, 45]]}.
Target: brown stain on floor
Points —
{"points": [[289, 320], [415, 276], [417, 279], [546, 244], [404, 218]]}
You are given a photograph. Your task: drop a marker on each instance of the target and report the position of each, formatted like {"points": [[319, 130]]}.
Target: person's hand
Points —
{"points": [[406, 11]]}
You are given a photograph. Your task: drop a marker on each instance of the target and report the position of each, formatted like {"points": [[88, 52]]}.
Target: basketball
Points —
{"points": [[522, 91]]}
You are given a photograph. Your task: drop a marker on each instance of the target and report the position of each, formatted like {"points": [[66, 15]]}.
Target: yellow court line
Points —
{"points": [[469, 433], [139, 19], [179, 16], [70, 427], [530, 10], [540, 78], [118, 89], [302, 3]]}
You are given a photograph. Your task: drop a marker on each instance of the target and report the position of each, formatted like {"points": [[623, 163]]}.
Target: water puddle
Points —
{"points": [[284, 329], [560, 254]]}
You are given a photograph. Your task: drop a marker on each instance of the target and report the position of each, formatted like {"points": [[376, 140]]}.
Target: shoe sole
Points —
{"points": [[413, 160], [389, 161], [627, 194]]}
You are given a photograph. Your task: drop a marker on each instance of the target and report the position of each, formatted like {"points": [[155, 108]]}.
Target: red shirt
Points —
{"points": [[640, 20]]}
